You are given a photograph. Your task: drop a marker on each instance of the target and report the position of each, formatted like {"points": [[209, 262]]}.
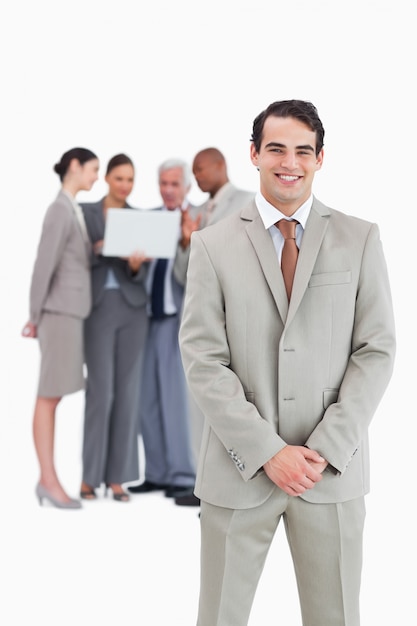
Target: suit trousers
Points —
{"points": [[325, 542], [114, 338], [164, 415]]}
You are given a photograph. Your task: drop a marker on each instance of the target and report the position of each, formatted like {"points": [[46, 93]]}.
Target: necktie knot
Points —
{"points": [[287, 228]]}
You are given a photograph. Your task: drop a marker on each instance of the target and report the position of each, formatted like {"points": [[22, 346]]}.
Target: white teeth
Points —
{"points": [[289, 178]]}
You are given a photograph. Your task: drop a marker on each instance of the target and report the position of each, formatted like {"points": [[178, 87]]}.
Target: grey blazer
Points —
{"points": [[61, 274], [131, 285], [266, 373]]}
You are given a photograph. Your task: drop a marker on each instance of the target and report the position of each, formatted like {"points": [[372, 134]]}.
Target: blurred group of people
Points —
{"points": [[110, 325]]}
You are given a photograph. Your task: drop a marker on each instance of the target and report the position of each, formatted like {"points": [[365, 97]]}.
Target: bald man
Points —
{"points": [[210, 171]]}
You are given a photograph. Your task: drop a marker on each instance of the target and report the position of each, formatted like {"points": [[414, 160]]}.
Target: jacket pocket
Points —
{"points": [[250, 396], [330, 278], [329, 397]]}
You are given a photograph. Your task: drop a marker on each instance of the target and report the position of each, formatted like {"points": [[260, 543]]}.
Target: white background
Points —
{"points": [[165, 79]]}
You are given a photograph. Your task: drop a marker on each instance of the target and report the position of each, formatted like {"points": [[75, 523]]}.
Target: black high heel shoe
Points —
{"points": [[118, 496], [88, 493]]}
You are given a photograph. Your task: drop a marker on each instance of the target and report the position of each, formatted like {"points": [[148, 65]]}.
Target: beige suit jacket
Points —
{"points": [[230, 200], [61, 280], [265, 373]]}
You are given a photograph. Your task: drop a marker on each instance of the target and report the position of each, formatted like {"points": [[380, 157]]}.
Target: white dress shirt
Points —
{"points": [[271, 215]]}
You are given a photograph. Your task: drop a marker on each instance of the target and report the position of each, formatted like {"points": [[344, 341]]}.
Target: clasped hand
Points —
{"points": [[294, 469]]}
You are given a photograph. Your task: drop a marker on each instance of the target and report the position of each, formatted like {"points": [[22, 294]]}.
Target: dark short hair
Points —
{"points": [[81, 154], [118, 159], [300, 110]]}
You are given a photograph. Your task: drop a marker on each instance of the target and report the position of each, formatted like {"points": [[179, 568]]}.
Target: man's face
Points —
{"points": [[207, 172], [287, 162], [172, 188]]}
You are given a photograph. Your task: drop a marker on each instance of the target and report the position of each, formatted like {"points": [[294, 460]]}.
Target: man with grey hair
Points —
{"points": [[163, 410]]}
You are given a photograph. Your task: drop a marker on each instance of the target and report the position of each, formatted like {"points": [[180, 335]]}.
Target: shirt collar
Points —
{"points": [[270, 214], [184, 205]]}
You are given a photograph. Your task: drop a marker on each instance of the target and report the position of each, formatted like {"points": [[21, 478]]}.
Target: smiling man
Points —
{"points": [[288, 344]]}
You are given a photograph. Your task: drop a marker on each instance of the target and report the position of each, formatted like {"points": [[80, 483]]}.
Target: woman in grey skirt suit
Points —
{"points": [[60, 299], [114, 335]]}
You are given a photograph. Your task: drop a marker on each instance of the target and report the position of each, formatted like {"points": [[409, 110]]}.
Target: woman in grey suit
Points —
{"points": [[114, 337], [60, 299]]}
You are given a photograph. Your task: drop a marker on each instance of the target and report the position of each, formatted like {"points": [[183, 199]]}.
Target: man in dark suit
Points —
{"points": [[163, 412], [288, 373]]}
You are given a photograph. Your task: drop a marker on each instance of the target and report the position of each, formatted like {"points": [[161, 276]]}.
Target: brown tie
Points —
{"points": [[289, 252]]}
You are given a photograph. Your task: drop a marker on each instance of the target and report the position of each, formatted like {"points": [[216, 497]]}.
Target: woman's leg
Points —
{"points": [[44, 435]]}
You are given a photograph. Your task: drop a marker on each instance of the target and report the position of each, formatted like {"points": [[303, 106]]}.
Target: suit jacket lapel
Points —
{"points": [[312, 239], [222, 209], [265, 251], [78, 216]]}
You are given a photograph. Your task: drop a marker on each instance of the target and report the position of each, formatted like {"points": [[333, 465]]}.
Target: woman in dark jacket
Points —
{"points": [[114, 335]]}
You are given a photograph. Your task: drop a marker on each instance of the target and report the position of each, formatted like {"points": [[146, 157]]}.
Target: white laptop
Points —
{"points": [[155, 233]]}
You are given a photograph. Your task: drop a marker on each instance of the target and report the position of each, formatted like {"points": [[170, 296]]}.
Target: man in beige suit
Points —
{"points": [[288, 384]]}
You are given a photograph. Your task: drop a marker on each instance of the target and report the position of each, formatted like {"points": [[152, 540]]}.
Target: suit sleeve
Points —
{"points": [[55, 230], [206, 356]]}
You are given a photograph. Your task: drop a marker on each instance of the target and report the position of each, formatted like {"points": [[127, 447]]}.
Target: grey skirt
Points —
{"points": [[62, 355]]}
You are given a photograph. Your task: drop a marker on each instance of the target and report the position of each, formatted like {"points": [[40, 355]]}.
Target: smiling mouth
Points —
{"points": [[288, 178]]}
